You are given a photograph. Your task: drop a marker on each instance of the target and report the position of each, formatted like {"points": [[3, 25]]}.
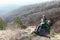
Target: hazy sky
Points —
{"points": [[4, 3], [12, 4], [20, 1]]}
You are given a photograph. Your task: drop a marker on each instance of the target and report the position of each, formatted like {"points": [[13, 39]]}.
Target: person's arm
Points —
{"points": [[42, 21]]}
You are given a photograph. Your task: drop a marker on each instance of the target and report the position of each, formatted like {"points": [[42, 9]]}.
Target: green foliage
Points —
{"points": [[3, 24], [18, 21], [52, 33]]}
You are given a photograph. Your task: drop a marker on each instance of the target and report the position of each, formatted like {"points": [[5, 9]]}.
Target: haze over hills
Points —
{"points": [[31, 9], [7, 5]]}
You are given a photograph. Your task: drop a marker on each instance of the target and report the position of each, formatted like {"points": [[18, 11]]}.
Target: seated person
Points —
{"points": [[43, 25], [44, 22]]}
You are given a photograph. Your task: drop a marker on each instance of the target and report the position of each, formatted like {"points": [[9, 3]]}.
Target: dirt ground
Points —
{"points": [[24, 34]]}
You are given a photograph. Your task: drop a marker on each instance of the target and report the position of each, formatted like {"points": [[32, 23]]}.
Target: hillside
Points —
{"points": [[31, 9], [32, 14]]}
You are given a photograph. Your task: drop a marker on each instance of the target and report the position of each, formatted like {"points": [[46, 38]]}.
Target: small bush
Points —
{"points": [[3, 24], [19, 22], [52, 33]]}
